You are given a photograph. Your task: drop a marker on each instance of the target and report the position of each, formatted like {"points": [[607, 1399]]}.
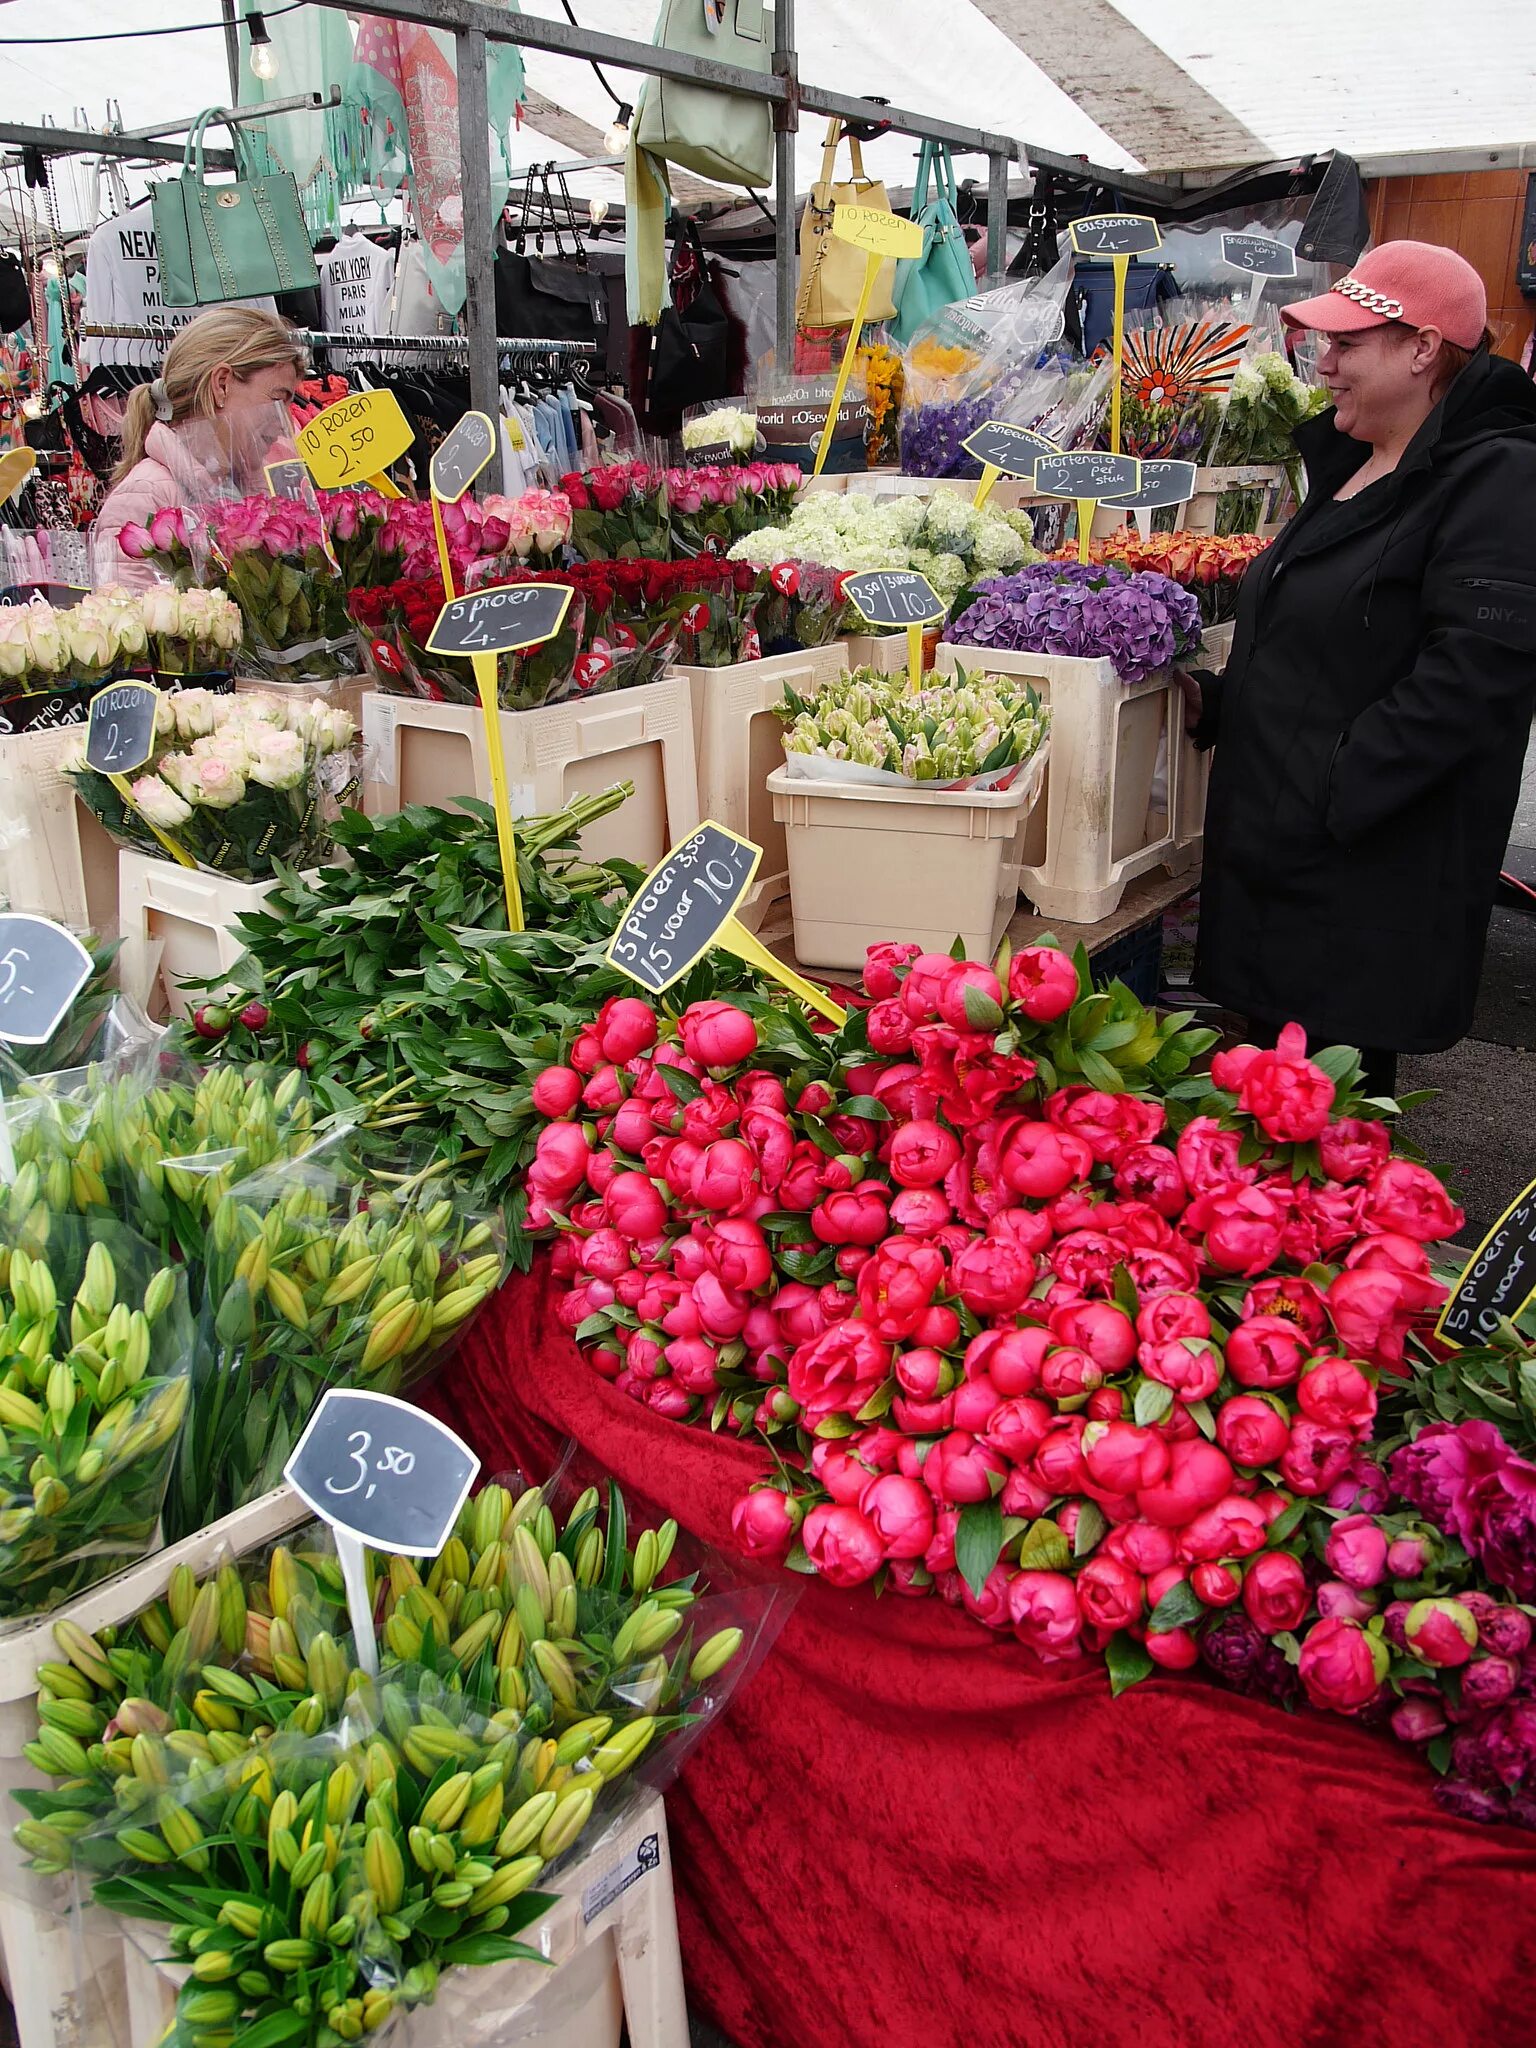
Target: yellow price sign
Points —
{"points": [[877, 232], [355, 440]]}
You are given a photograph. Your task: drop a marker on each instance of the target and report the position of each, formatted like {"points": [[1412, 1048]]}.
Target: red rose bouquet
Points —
{"points": [[618, 511]]}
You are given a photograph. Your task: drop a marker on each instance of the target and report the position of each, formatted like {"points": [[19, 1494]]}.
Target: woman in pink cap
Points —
{"points": [[1371, 723]]}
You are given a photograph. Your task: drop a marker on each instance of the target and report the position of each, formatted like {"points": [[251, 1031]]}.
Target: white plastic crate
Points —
{"points": [[870, 862], [1199, 515], [178, 925], [1101, 822], [59, 861], [416, 752]]}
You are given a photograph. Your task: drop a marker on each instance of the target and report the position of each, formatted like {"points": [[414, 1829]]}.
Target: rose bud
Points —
{"points": [[1356, 1551], [1275, 1594], [1342, 1666], [1251, 1431], [1218, 1585], [1042, 980], [1172, 1649], [922, 1153], [958, 1469], [1440, 1632], [902, 1511], [843, 1545], [1418, 1720]]}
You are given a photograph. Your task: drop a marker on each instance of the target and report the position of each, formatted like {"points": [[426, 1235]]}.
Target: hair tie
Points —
{"points": [[160, 398]]}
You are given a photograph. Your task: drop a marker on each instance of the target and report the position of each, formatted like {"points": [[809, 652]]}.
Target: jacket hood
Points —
{"points": [[1491, 397]]}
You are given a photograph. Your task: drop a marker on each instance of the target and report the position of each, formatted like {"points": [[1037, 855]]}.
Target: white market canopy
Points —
{"points": [[1159, 84]]}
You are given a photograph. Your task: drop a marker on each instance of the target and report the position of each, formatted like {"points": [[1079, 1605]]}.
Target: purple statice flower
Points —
{"points": [[1095, 611], [1246, 1661]]}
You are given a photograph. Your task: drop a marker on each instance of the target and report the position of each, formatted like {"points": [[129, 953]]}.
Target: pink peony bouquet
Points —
{"points": [[236, 782]]}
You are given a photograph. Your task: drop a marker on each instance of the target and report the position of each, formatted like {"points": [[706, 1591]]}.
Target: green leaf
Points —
{"points": [[1128, 1663], [1338, 1062], [1287, 1523], [1098, 1071], [982, 1012], [1125, 1293], [1205, 1421], [594, 1325], [286, 2025], [1179, 1606], [979, 1541], [1153, 1401], [867, 1106], [1045, 1548], [1091, 1524]]}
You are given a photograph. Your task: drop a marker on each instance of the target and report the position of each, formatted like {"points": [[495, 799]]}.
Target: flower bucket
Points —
{"points": [[58, 859], [178, 925]]}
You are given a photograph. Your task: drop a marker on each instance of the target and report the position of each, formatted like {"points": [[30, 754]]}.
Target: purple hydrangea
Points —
{"points": [[1094, 611]]}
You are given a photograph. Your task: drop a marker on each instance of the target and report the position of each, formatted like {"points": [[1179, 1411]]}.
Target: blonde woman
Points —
{"points": [[203, 429]]}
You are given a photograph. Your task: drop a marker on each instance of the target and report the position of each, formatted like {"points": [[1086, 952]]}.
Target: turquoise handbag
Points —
{"points": [[719, 135], [943, 273], [238, 241]]}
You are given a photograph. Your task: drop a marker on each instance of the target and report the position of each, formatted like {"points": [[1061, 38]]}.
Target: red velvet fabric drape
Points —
{"points": [[901, 1836]]}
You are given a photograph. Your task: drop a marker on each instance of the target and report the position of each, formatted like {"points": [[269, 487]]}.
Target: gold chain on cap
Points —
{"points": [[1373, 302]]}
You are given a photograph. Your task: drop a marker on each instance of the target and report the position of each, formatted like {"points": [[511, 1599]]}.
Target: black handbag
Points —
{"points": [[690, 357], [538, 299]]}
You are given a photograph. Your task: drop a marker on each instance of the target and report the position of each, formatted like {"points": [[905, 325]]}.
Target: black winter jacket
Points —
{"points": [[1370, 728]]}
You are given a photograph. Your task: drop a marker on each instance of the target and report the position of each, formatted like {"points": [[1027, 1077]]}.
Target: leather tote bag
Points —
{"points": [[718, 135], [690, 359], [832, 272], [238, 241], [944, 272], [549, 300]]}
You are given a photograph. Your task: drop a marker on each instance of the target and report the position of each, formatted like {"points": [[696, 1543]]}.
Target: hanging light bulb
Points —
{"points": [[616, 136], [263, 55], [597, 211]]}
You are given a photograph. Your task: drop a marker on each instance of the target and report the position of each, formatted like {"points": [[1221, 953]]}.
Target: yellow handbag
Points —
{"points": [[832, 272]]}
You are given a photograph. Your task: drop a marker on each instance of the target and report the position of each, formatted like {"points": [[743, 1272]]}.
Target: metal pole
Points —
{"points": [[787, 121], [478, 245], [231, 48], [997, 218]]}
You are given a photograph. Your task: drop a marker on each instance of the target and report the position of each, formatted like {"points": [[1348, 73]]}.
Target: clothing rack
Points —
{"points": [[433, 344]]}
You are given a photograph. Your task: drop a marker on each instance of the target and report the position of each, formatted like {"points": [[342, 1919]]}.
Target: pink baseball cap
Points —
{"points": [[1419, 283]]}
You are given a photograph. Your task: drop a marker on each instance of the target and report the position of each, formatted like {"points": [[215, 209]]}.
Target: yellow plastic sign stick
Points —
{"points": [[1086, 508], [356, 440], [506, 831], [443, 562], [1122, 264], [125, 790], [880, 235], [845, 370], [735, 938], [915, 658], [989, 476]]}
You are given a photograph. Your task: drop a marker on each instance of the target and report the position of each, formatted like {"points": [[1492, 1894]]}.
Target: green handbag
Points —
{"points": [[719, 135], [943, 273], [236, 241]]}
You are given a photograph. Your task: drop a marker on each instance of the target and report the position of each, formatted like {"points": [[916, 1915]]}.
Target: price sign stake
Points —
{"points": [[502, 620], [897, 597], [288, 479], [1119, 236], [1087, 476], [880, 235], [382, 1473], [1262, 257], [120, 737], [1003, 450], [355, 440], [1499, 1280], [458, 461], [686, 905]]}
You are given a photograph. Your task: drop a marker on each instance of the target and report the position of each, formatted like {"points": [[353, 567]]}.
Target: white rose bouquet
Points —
{"points": [[236, 782], [190, 632]]}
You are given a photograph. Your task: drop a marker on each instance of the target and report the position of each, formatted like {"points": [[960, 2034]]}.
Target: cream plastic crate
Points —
{"points": [[1199, 515], [178, 924], [886, 653], [74, 1981], [415, 752], [738, 741], [869, 863], [1101, 822], [63, 864]]}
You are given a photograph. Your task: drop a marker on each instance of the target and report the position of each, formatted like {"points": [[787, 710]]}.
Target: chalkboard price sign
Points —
{"points": [[1087, 473], [289, 480], [382, 1471], [894, 597], [42, 969], [502, 619], [1014, 450], [683, 906], [461, 456], [1115, 234], [1162, 483], [1259, 255], [1500, 1279], [120, 733]]}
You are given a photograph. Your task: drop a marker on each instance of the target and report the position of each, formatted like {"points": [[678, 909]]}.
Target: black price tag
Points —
{"points": [[1500, 1279], [1116, 234], [289, 480], [1087, 473], [679, 909], [1259, 255], [42, 969], [120, 733], [710, 455], [461, 455], [62, 596], [1013, 449], [385, 1472], [1162, 483], [894, 597], [502, 619]]}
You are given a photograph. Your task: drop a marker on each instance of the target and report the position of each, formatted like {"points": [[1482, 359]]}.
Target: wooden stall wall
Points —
{"points": [[1477, 213]]}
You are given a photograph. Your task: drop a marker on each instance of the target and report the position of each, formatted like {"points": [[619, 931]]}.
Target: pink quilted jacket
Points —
{"points": [[166, 475]]}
